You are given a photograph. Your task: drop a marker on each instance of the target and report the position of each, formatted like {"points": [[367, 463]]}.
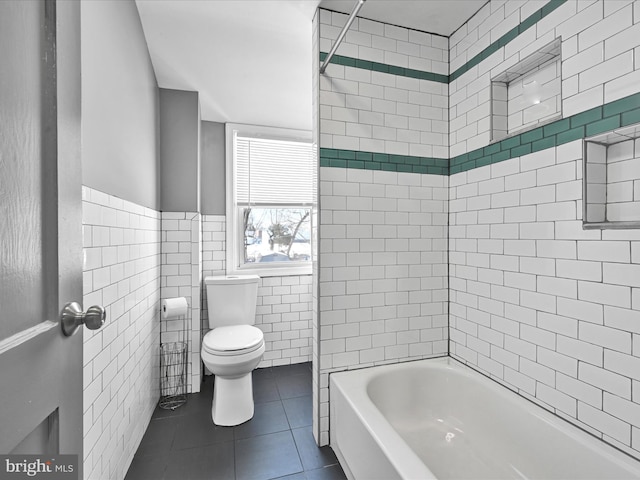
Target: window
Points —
{"points": [[270, 180]]}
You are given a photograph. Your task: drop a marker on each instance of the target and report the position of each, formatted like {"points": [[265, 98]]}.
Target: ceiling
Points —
{"points": [[250, 60], [433, 16]]}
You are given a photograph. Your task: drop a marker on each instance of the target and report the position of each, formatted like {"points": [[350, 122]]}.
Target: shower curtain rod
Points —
{"points": [[352, 17]]}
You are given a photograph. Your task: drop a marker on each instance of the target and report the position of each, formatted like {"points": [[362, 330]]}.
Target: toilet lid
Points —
{"points": [[231, 340]]}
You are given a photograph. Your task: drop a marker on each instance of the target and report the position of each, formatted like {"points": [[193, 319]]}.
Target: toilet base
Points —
{"points": [[232, 400]]}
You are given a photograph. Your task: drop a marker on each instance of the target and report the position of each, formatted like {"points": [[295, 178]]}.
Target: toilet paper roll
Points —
{"points": [[174, 308]]}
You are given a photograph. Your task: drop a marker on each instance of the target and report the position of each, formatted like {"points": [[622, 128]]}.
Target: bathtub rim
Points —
{"points": [[405, 461], [355, 382]]}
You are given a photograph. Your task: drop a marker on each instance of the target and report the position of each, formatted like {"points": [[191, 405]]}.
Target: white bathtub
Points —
{"points": [[437, 419]]}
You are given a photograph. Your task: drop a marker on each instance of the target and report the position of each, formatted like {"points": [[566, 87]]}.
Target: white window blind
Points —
{"points": [[273, 172]]}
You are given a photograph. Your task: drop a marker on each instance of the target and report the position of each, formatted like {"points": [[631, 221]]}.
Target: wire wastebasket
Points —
{"points": [[174, 349], [173, 375]]}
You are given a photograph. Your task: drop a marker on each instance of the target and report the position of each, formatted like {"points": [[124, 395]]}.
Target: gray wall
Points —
{"points": [[119, 104], [179, 151], [212, 163]]}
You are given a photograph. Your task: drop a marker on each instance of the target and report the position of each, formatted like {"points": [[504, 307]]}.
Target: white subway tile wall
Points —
{"points": [[213, 247], [539, 304], [383, 43], [381, 112], [213, 262], [283, 310], [600, 45], [181, 276], [545, 307], [122, 273], [382, 235], [284, 315], [383, 268]]}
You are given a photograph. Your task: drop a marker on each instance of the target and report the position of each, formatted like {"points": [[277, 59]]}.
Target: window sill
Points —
{"points": [[272, 272]]}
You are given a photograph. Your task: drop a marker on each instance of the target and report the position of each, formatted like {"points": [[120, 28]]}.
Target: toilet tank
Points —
{"points": [[231, 299]]}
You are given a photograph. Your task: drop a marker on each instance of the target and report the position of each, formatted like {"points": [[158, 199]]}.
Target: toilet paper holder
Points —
{"points": [[72, 317]]}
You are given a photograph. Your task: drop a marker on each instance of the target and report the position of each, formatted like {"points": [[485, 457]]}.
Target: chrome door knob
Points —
{"points": [[72, 317], [95, 317]]}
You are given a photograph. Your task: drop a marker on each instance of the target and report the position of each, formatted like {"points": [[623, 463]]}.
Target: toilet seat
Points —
{"points": [[233, 340]]}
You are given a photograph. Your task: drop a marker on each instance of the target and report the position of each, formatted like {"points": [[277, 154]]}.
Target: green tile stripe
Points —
{"points": [[616, 114], [437, 77], [384, 68], [507, 37], [333, 157]]}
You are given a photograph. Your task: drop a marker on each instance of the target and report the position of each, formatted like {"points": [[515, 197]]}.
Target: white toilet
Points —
{"points": [[233, 347]]}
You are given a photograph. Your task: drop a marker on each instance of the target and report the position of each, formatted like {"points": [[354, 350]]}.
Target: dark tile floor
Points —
{"points": [[276, 443]]}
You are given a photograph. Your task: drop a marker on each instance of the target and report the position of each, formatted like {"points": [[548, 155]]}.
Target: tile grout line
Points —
{"points": [[616, 114], [512, 34]]}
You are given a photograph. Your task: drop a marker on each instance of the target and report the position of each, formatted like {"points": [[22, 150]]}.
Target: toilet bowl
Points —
{"points": [[231, 353], [233, 347]]}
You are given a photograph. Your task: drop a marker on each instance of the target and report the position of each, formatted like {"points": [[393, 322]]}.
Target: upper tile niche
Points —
{"points": [[527, 94]]}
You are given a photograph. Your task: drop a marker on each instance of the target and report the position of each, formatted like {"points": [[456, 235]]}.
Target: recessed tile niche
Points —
{"points": [[527, 94], [612, 179]]}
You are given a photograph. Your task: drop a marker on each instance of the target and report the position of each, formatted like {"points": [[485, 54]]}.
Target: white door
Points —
{"points": [[40, 227]]}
